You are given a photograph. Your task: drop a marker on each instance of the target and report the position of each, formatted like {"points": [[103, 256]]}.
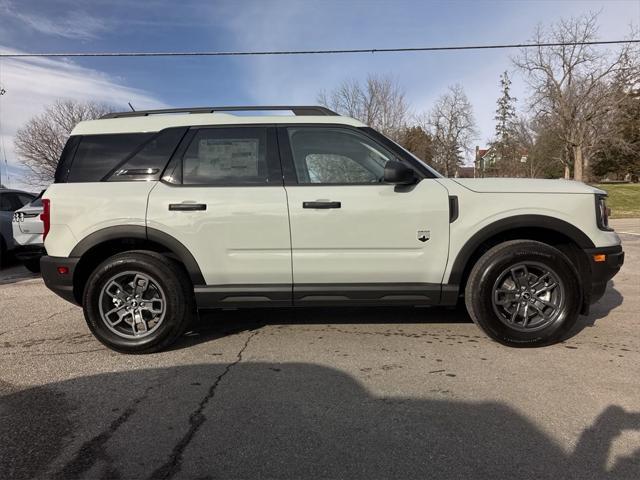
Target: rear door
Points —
{"points": [[222, 197], [354, 238]]}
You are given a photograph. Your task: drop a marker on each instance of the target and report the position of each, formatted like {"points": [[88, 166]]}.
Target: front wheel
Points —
{"points": [[138, 302], [524, 293]]}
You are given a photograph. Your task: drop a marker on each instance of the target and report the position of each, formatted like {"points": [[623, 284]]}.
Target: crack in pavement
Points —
{"points": [[93, 450], [40, 320], [174, 464], [53, 354]]}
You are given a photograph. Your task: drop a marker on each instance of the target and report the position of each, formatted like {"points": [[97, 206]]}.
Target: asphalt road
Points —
{"points": [[323, 393]]}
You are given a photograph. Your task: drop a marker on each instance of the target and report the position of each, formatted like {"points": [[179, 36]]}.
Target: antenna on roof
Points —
{"points": [[131, 107]]}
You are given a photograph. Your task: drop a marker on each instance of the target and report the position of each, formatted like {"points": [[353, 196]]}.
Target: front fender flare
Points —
{"points": [[511, 223]]}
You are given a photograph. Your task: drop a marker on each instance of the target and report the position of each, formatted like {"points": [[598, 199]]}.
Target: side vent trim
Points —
{"points": [[453, 208]]}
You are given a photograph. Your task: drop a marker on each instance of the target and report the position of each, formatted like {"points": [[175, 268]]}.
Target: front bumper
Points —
{"points": [[603, 271], [59, 283]]}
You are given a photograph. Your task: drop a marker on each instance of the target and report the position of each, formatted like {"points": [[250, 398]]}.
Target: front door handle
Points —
{"points": [[187, 207], [321, 205]]}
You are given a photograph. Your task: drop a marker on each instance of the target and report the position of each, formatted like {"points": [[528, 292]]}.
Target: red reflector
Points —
{"points": [[63, 270]]}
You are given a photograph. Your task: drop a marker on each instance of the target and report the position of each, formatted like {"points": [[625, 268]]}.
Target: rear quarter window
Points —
{"points": [[97, 155]]}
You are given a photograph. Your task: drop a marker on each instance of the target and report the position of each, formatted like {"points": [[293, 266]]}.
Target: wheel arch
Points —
{"points": [[555, 232], [99, 245]]}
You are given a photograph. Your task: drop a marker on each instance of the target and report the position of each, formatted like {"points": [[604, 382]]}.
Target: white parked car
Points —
{"points": [[154, 214], [10, 201], [27, 235]]}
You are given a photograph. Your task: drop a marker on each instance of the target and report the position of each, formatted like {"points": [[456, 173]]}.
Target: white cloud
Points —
{"points": [[75, 24], [33, 83]]}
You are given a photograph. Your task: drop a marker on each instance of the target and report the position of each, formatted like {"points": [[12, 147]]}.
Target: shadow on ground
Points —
{"points": [[285, 420], [216, 324], [611, 300], [12, 271]]}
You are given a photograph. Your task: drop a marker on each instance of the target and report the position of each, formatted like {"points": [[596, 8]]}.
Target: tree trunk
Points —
{"points": [[577, 163], [586, 169], [567, 171]]}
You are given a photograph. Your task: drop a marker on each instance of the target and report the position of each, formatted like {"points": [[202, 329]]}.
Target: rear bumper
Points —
{"points": [[59, 283], [29, 252], [603, 271]]}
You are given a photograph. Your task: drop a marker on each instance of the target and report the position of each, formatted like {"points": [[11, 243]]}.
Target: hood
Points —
{"points": [[524, 185]]}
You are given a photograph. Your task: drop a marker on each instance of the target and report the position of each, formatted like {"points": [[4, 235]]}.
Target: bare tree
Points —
{"points": [[541, 146], [453, 129], [379, 103], [572, 84], [40, 141]]}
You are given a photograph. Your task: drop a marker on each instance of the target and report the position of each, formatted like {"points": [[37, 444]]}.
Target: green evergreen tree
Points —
{"points": [[504, 155]]}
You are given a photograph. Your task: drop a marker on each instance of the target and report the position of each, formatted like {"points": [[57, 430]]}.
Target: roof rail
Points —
{"points": [[297, 110]]}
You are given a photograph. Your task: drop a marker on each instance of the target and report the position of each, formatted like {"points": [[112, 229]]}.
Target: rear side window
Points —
{"points": [[98, 155], [10, 202], [64, 164], [226, 156], [148, 162], [24, 199]]}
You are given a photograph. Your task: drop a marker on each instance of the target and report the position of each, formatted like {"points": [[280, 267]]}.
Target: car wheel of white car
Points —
{"points": [[138, 302], [523, 293]]}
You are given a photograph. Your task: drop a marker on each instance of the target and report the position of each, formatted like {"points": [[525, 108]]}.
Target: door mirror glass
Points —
{"points": [[398, 173]]}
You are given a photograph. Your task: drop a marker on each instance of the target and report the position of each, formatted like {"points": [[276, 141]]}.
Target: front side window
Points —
{"points": [[333, 155], [226, 156]]}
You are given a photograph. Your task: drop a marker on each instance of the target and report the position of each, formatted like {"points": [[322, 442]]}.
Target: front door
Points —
{"points": [[354, 238]]}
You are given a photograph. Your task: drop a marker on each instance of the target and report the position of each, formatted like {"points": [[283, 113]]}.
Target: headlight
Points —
{"points": [[602, 213]]}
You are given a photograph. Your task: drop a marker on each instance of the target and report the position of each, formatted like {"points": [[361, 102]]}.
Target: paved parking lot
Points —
{"points": [[324, 393]]}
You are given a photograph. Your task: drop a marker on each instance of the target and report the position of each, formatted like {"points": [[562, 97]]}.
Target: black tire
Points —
{"points": [[4, 253], [488, 304], [33, 265], [173, 282]]}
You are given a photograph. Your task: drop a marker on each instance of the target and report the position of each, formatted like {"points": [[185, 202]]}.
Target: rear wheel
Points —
{"points": [[138, 302], [524, 293], [4, 253]]}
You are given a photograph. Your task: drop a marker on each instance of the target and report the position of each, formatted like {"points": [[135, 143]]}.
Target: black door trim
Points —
{"points": [[320, 294]]}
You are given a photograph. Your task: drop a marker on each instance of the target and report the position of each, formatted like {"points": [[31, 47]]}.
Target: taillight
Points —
{"points": [[45, 216]]}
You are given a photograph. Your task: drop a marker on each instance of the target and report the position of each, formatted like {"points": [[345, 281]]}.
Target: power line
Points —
{"points": [[313, 52]]}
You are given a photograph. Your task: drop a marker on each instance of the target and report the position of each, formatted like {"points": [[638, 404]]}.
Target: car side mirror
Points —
{"points": [[398, 173]]}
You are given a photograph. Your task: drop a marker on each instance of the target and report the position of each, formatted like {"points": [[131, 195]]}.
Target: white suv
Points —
{"points": [[155, 214]]}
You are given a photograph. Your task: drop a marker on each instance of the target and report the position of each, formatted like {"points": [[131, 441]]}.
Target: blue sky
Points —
{"points": [[157, 25]]}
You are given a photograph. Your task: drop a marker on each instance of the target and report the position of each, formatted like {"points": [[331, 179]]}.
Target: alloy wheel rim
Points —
{"points": [[132, 304], [528, 296]]}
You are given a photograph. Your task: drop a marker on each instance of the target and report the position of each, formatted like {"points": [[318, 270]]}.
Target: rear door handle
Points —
{"points": [[187, 207], [321, 205]]}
